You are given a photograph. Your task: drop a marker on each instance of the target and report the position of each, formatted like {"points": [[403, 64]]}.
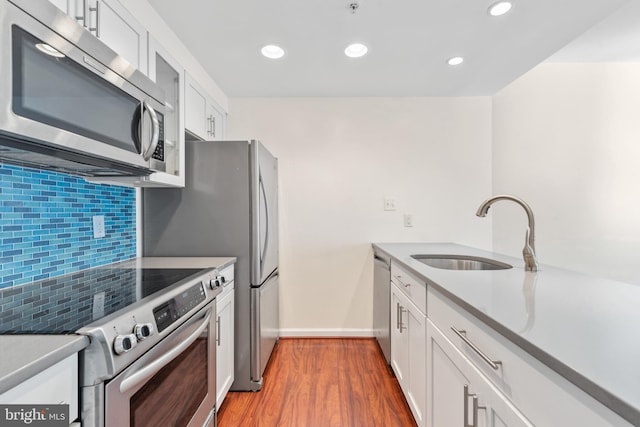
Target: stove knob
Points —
{"points": [[223, 279], [124, 343], [216, 282], [143, 330]]}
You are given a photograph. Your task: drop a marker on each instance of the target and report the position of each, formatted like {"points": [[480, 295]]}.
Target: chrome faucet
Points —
{"points": [[529, 251]]}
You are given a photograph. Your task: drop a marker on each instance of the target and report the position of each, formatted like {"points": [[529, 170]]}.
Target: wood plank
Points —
{"points": [[321, 382]]}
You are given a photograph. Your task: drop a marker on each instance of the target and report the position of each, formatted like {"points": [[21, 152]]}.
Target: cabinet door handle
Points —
{"points": [[461, 333], [467, 395], [97, 11], [82, 18], [218, 331], [397, 315], [402, 311], [213, 126]]}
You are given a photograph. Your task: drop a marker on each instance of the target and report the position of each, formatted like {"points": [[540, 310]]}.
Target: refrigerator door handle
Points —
{"points": [[264, 248]]}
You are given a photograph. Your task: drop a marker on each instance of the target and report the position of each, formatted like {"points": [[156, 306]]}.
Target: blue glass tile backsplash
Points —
{"points": [[46, 224]]}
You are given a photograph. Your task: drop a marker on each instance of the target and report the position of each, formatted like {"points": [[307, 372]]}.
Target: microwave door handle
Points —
{"points": [[150, 370], [155, 132]]}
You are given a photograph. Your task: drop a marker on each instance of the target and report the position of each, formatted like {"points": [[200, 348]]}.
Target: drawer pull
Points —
{"points": [[461, 333], [399, 279]]}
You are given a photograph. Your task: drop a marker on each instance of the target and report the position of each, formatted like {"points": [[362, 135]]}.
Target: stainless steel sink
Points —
{"points": [[461, 262]]}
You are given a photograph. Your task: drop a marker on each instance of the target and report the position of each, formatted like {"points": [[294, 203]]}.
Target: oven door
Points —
{"points": [[173, 384]]}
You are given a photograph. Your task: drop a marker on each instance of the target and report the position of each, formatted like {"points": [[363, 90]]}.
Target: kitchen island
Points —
{"points": [[580, 327]]}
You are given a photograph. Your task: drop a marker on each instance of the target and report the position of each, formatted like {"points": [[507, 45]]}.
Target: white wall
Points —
{"points": [[567, 140], [338, 159]]}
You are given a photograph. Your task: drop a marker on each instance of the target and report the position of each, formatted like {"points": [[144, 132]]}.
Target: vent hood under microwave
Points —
{"points": [[69, 103]]}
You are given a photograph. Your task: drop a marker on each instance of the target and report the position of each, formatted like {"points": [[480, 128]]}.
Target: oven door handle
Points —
{"points": [[152, 368]]}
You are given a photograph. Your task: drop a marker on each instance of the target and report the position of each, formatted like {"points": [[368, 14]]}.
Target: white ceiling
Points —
{"points": [[615, 39], [409, 42]]}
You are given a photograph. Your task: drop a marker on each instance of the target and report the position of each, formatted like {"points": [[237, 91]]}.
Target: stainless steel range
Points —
{"points": [[152, 356]]}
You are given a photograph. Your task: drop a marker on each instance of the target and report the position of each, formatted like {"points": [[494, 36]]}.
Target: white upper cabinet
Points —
{"points": [[204, 119], [113, 24], [62, 5], [119, 30]]}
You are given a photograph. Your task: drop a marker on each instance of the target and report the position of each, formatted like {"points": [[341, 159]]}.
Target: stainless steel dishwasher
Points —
{"points": [[381, 301]]}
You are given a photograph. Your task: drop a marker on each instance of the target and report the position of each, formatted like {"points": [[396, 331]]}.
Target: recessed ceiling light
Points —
{"points": [[500, 8], [272, 51], [356, 50], [456, 60]]}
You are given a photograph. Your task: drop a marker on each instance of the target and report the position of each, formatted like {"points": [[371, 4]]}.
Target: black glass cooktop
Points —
{"points": [[64, 304]]}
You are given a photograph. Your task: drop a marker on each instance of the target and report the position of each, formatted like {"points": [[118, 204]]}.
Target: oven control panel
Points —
{"points": [[173, 309]]}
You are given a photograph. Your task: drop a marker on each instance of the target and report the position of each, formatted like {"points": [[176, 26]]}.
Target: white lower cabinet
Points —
{"points": [[408, 350], [57, 384], [225, 343], [515, 388], [459, 395]]}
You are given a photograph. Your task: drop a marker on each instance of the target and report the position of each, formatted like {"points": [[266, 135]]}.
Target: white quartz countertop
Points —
{"points": [[584, 328], [23, 356], [176, 262]]}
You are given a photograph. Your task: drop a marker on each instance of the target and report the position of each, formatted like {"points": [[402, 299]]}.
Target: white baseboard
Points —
{"points": [[328, 333]]}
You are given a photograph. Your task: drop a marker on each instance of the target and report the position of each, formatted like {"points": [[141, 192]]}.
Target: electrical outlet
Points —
{"points": [[408, 220], [98, 227], [389, 204], [98, 305]]}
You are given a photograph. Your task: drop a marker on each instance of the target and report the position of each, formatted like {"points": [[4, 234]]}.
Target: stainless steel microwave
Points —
{"points": [[69, 103]]}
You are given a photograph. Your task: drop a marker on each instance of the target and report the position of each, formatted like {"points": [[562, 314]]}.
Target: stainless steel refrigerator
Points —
{"points": [[229, 207]]}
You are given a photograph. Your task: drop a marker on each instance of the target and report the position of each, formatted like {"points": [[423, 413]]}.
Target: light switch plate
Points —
{"points": [[389, 204], [408, 220]]}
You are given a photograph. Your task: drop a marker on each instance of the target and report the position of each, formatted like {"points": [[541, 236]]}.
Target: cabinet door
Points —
{"points": [[225, 342], [113, 24], [118, 29], [204, 118], [399, 338], [74, 8], [62, 5], [57, 384], [169, 74], [417, 333], [195, 109], [215, 122], [459, 394], [446, 382]]}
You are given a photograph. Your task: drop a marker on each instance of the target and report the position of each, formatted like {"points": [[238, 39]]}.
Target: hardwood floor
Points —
{"points": [[321, 382]]}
